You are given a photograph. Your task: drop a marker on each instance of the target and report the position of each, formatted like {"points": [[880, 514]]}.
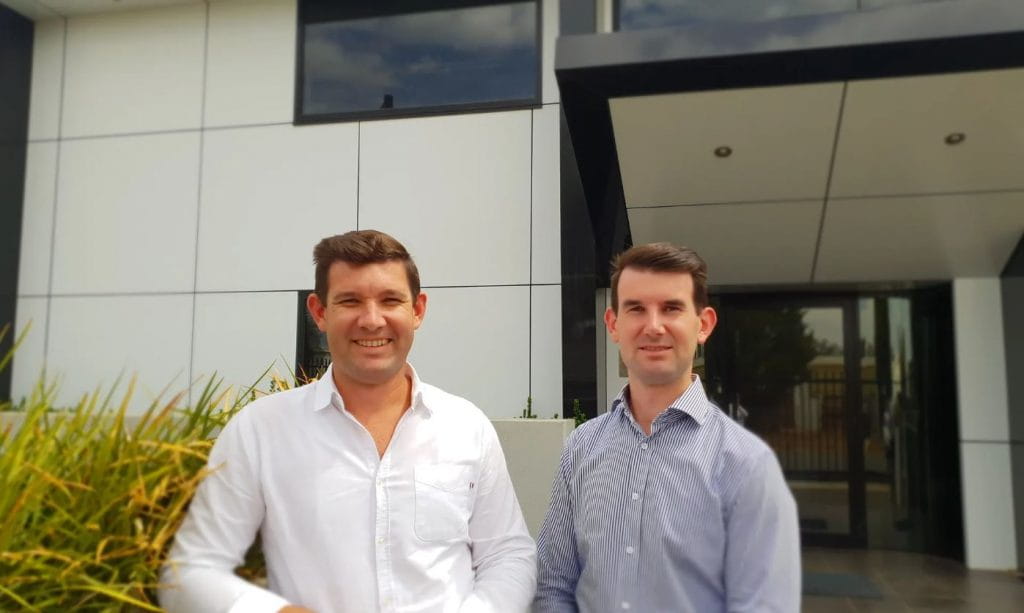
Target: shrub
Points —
{"points": [[89, 505]]}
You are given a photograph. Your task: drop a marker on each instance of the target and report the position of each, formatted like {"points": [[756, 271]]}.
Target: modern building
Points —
{"points": [[851, 170]]}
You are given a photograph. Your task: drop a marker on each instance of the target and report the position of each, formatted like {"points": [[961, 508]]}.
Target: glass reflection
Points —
{"points": [[890, 416], [423, 59], [643, 14]]}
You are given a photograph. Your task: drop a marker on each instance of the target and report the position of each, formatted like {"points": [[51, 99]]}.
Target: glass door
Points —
{"points": [[790, 371]]}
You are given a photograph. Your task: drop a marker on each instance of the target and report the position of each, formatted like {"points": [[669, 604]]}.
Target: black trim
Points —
{"points": [[314, 11], [579, 284], [16, 38], [1012, 291]]}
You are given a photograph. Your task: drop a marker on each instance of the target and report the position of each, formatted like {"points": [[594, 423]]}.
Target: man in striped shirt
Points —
{"points": [[664, 503]]}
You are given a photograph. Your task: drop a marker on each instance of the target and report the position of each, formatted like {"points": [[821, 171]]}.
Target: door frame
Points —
{"points": [[854, 411]]}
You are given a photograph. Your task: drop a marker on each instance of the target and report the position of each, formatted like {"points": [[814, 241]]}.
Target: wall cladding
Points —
{"points": [[171, 238]]}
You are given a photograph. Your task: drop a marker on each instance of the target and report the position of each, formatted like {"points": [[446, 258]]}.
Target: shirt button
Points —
{"points": [[629, 550], [625, 605], [642, 446], [635, 496], [380, 541]]}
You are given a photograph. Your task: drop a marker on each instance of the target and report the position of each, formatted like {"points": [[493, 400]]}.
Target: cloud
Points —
{"points": [[479, 28], [329, 59]]}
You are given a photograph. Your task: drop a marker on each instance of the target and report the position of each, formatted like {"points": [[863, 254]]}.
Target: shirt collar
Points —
{"points": [[326, 394], [693, 402]]}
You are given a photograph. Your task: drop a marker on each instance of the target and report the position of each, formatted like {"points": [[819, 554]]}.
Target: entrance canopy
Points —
{"points": [[883, 145]]}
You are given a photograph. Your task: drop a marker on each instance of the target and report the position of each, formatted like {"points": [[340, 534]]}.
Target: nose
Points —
{"points": [[371, 318], [653, 325]]}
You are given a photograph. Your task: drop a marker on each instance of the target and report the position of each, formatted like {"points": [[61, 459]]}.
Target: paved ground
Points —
{"points": [[913, 582]]}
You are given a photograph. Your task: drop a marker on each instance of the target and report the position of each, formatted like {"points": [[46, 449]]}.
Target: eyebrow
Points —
{"points": [[673, 302]]}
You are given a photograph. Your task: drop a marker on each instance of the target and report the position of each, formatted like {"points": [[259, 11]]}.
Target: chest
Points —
{"points": [[642, 490]]}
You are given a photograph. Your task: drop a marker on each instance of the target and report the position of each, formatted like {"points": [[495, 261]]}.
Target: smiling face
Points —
{"points": [[657, 326], [370, 318]]}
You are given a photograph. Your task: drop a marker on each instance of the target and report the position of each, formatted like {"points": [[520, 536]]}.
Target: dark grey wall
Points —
{"points": [[15, 78], [1013, 332]]}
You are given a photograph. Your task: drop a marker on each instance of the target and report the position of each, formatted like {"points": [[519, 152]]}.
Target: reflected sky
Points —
{"points": [[424, 59], [642, 14]]}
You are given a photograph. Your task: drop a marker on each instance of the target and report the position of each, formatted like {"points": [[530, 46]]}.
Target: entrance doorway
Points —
{"points": [[853, 393]]}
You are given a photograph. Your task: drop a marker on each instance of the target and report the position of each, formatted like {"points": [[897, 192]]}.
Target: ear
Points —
{"points": [[419, 309], [316, 310], [708, 320], [610, 322]]}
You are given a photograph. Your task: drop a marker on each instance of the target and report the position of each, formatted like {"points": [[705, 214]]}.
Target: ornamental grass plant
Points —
{"points": [[90, 499]]}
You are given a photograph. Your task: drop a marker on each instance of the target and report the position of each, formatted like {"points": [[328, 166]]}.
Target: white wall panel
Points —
{"points": [[546, 350], [474, 343], [250, 71], [37, 218], [238, 335], [989, 531], [134, 71], [269, 194], [547, 199], [94, 339], [980, 359], [455, 190], [28, 360], [126, 214], [47, 64]]}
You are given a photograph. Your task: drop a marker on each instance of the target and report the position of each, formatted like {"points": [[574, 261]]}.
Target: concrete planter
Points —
{"points": [[533, 449]]}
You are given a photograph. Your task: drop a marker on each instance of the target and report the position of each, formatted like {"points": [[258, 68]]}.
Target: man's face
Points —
{"points": [[369, 319], [657, 326]]}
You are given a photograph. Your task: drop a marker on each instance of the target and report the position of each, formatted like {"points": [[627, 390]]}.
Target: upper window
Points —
{"points": [[402, 57], [642, 14]]}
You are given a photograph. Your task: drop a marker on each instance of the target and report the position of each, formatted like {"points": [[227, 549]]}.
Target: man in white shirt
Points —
{"points": [[371, 490]]}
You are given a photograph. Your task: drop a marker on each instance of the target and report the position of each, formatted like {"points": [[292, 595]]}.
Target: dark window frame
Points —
{"points": [[397, 7]]}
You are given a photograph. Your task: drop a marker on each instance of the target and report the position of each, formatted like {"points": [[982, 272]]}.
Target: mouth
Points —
{"points": [[654, 348], [373, 342]]}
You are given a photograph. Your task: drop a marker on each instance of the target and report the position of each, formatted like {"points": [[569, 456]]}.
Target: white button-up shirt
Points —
{"points": [[433, 525]]}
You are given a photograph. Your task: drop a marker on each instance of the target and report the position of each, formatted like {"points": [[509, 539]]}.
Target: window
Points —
{"points": [[392, 58]]}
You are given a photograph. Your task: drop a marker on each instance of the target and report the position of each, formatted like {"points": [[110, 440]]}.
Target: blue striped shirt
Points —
{"points": [[696, 517]]}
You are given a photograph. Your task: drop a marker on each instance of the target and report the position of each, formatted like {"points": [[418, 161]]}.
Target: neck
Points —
{"points": [[648, 401], [364, 400]]}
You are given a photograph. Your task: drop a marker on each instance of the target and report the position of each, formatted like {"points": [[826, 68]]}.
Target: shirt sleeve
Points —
{"points": [[221, 524], [762, 557], [504, 554], [557, 557]]}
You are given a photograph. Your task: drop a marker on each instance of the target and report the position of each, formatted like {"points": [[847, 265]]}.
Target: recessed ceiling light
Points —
{"points": [[955, 138], [723, 151]]}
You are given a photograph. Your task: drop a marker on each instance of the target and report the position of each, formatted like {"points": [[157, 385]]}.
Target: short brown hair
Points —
{"points": [[662, 257], [361, 247]]}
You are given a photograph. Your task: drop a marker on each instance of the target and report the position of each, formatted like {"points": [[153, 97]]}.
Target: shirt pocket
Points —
{"points": [[443, 502]]}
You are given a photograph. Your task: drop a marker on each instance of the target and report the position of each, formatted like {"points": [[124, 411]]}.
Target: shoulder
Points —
{"points": [[273, 410], [743, 455], [447, 405], [454, 415], [587, 437]]}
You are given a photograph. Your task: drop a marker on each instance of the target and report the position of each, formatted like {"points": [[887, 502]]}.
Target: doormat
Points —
{"points": [[840, 585]]}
